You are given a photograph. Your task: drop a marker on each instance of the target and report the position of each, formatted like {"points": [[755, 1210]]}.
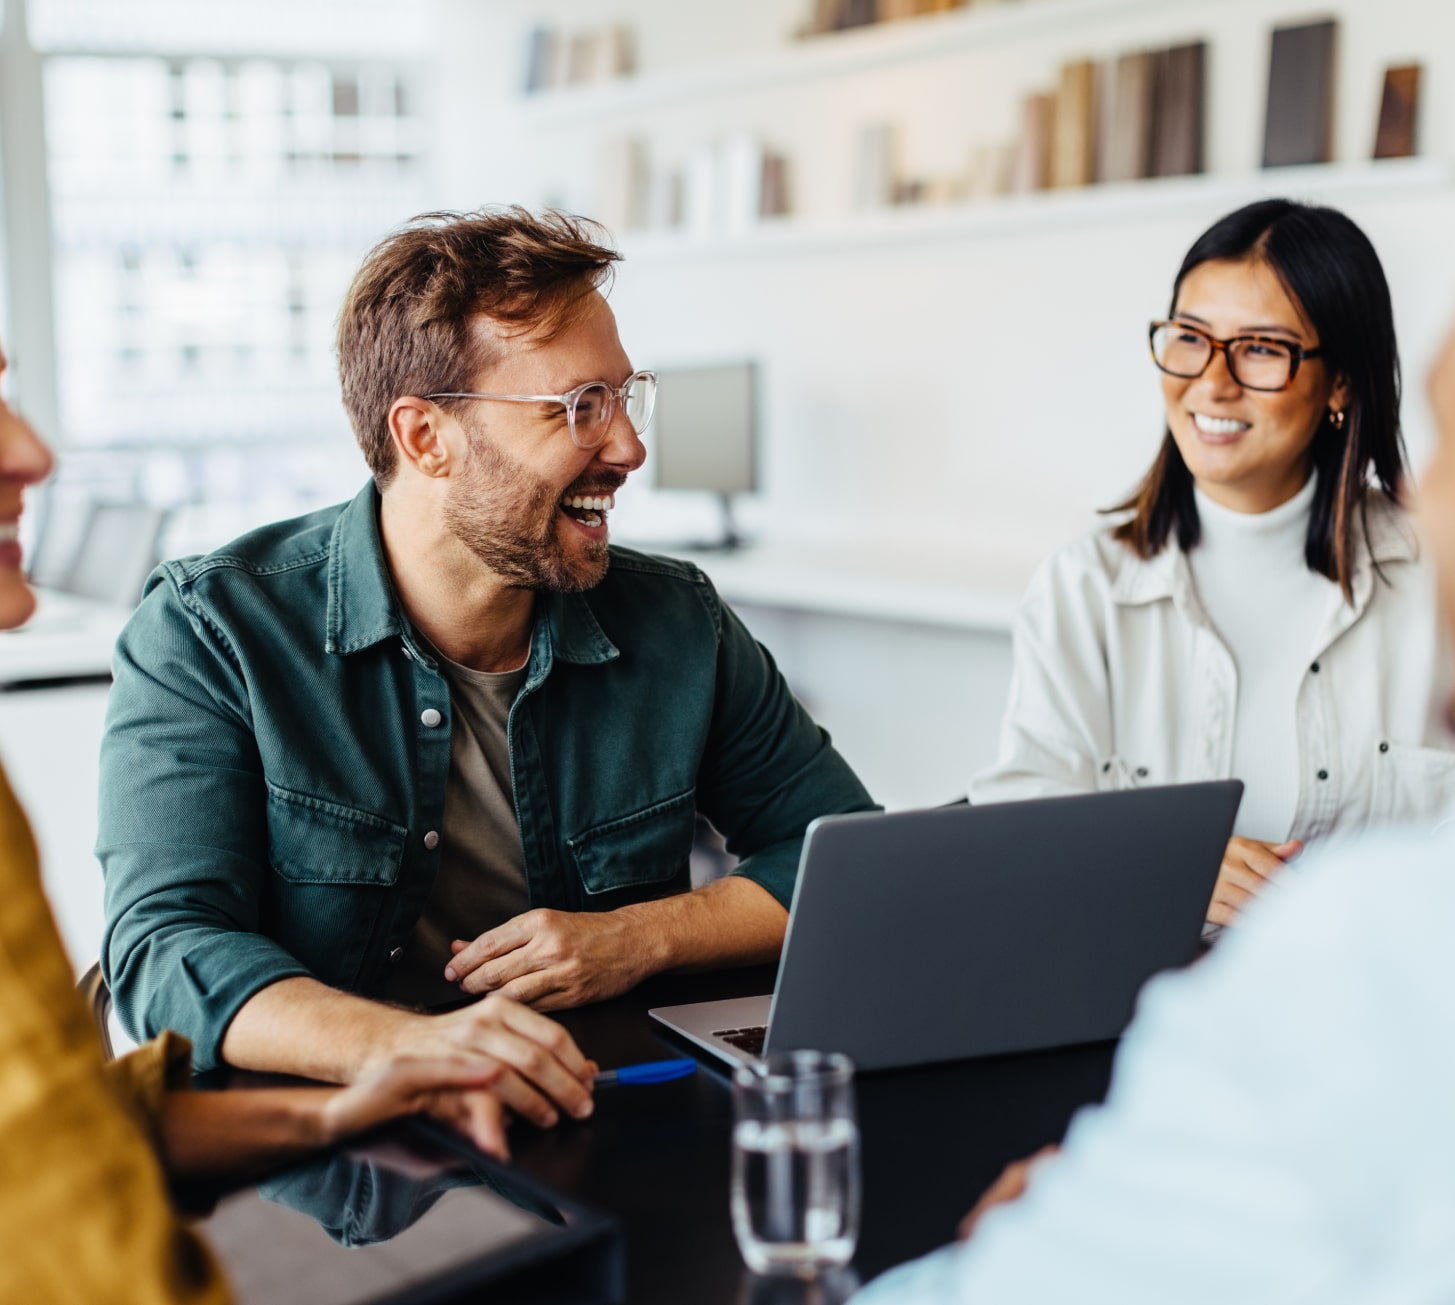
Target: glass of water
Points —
{"points": [[795, 1184]]}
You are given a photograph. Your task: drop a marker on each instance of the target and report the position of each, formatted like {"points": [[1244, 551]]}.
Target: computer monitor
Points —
{"points": [[705, 431]]}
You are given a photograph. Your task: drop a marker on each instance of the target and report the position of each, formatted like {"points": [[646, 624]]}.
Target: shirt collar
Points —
{"points": [[1382, 532], [363, 609]]}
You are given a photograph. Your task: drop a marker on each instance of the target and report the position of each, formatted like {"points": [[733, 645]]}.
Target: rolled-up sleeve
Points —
{"points": [[182, 829], [769, 769]]}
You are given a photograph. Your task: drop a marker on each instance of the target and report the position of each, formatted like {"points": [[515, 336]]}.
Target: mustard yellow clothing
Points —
{"points": [[84, 1211]]}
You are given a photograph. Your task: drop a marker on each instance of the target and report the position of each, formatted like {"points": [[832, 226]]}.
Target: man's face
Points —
{"points": [[508, 504]]}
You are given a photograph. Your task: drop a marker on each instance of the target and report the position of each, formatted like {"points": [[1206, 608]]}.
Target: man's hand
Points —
{"points": [[1248, 866], [541, 1070], [1010, 1186], [555, 959]]}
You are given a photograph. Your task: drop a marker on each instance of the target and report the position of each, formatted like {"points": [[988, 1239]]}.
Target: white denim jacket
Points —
{"points": [[1119, 680]]}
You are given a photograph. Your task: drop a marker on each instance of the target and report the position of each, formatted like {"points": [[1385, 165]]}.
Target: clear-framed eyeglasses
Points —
{"points": [[589, 408], [1256, 362]]}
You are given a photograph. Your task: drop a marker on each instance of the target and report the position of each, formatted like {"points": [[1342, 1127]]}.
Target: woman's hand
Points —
{"points": [[458, 1091], [1010, 1186], [242, 1130], [1248, 866]]}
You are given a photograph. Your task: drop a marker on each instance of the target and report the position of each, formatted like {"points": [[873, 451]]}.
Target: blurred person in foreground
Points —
{"points": [[442, 742], [86, 1146], [1279, 1126]]}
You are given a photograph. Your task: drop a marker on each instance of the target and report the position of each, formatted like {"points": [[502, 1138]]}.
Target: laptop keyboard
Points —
{"points": [[749, 1039]]}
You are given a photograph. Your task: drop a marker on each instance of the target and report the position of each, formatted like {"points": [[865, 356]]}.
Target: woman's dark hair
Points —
{"points": [[1331, 271]]}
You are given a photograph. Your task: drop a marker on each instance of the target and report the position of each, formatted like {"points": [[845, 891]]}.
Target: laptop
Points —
{"points": [[923, 936]]}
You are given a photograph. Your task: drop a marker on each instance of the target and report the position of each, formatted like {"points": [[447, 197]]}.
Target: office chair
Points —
{"points": [[97, 996]]}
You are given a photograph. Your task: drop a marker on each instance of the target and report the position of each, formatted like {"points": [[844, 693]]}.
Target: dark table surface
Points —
{"points": [[657, 1157]]}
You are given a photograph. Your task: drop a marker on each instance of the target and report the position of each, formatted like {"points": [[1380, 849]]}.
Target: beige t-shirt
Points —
{"points": [[481, 881]]}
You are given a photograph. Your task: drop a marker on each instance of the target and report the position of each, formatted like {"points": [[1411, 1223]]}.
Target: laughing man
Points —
{"points": [[442, 739]]}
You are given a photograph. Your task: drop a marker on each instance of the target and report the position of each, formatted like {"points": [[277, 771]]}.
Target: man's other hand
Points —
{"points": [[553, 960]]}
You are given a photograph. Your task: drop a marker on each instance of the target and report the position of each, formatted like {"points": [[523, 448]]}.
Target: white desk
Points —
{"points": [[902, 654], [68, 638], [896, 585], [53, 687]]}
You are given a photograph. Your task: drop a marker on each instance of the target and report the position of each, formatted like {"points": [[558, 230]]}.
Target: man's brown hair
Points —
{"points": [[405, 323]]}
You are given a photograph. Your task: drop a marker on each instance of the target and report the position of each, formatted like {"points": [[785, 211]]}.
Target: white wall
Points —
{"points": [[960, 390], [971, 388]]}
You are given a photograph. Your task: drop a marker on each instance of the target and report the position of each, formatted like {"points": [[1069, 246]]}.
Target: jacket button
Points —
{"points": [[1314, 668], [431, 840], [1384, 747], [1323, 774], [429, 718], [395, 953], [1142, 772]]}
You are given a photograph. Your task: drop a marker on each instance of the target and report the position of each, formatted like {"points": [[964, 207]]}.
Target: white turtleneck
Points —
{"points": [[1268, 608]]}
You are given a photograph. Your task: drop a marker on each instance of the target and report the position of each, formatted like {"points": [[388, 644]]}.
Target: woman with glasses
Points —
{"points": [[1261, 609]]}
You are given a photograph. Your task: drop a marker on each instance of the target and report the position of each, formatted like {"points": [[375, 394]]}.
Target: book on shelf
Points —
{"points": [[890, 10], [1399, 112], [702, 191], [825, 17], [1032, 169], [990, 171], [1073, 126], [1126, 146], [1178, 117], [540, 59], [624, 193], [1299, 126], [876, 166], [741, 192], [582, 56], [776, 197]]}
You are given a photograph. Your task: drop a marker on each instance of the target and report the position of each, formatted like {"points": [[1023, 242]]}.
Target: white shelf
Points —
{"points": [[1053, 210], [833, 54]]}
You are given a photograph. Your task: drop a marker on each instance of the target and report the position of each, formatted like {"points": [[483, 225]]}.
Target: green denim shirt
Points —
{"points": [[278, 741]]}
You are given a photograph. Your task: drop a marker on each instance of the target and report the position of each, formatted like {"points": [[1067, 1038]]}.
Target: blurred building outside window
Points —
{"points": [[216, 172]]}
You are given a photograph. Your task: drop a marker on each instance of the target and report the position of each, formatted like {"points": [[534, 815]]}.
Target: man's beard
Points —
{"points": [[507, 517]]}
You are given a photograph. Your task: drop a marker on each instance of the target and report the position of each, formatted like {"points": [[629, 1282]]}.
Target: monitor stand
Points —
{"points": [[729, 541]]}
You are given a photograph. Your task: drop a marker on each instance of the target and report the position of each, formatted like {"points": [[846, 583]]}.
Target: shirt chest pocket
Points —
{"points": [[1412, 784], [649, 848], [314, 841]]}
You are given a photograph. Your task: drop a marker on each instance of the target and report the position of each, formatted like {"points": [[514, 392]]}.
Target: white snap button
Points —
{"points": [[429, 718], [431, 840]]}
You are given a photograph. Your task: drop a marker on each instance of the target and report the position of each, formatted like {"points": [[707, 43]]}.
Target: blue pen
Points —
{"points": [[655, 1071]]}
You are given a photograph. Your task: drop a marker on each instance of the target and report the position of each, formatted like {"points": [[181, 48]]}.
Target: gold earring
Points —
{"points": [[1336, 418]]}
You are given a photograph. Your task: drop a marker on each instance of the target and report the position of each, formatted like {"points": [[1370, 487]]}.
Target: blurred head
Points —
{"points": [[1308, 280], [24, 461], [407, 325]]}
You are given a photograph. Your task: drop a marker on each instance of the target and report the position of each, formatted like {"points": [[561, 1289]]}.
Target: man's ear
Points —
{"points": [[417, 427]]}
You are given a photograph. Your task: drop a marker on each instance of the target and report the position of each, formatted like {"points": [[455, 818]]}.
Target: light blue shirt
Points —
{"points": [[1281, 1121]]}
